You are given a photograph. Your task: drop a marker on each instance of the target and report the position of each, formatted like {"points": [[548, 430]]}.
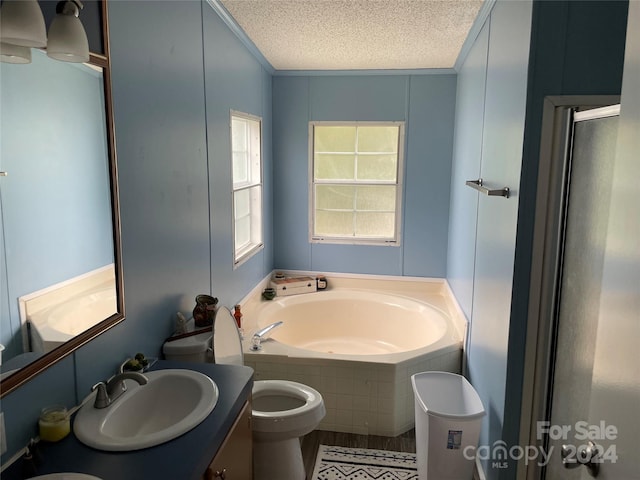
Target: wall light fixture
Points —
{"points": [[14, 53], [67, 38], [22, 27], [22, 23]]}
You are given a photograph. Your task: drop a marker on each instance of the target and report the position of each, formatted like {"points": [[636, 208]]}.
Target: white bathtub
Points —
{"points": [[347, 322], [358, 343]]}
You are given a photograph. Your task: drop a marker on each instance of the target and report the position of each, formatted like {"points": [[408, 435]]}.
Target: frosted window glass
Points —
{"points": [[240, 150], [334, 167], [239, 135], [369, 224], [334, 223], [580, 314], [242, 232], [378, 139], [335, 197], [377, 167], [242, 208], [335, 139], [356, 183], [376, 198], [240, 170], [242, 217]]}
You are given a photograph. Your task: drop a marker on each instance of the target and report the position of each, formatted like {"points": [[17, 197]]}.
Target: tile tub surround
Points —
{"points": [[362, 397]]}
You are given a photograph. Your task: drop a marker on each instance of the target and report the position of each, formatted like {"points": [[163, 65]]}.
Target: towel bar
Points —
{"points": [[477, 185]]}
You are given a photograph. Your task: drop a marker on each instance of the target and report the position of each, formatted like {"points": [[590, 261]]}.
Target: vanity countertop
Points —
{"points": [[186, 457]]}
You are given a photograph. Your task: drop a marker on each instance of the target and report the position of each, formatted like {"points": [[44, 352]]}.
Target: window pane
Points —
{"points": [[254, 159], [334, 167], [239, 135], [242, 218], [376, 198], [335, 197], [243, 232], [241, 204], [255, 194], [334, 139], [334, 223], [240, 170], [370, 224], [378, 139], [247, 220], [377, 167], [245, 139]]}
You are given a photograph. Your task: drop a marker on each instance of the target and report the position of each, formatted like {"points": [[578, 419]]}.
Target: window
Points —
{"points": [[246, 155], [356, 186]]}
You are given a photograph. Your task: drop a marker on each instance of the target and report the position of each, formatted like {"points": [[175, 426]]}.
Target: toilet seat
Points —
{"points": [[310, 410]]}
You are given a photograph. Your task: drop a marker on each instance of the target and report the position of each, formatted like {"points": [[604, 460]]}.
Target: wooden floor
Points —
{"points": [[402, 443]]}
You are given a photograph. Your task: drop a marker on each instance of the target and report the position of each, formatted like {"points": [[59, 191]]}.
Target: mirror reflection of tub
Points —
{"points": [[53, 316]]}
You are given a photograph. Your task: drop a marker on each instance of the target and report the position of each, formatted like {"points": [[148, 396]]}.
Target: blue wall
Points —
{"points": [[575, 48], [467, 154], [426, 103], [234, 81], [172, 91], [172, 96], [488, 145], [56, 200]]}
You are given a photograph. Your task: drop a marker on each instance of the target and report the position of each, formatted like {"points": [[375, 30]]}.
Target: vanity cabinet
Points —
{"points": [[234, 460]]}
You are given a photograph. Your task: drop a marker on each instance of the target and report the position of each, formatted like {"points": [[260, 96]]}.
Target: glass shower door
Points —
{"points": [[588, 183]]}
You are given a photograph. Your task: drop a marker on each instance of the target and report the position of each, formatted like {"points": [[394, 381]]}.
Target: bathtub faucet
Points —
{"points": [[261, 335]]}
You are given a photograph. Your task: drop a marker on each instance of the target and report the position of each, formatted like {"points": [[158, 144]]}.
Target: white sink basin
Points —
{"points": [[170, 404]]}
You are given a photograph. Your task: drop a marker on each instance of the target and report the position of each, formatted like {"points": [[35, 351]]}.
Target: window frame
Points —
{"points": [[241, 256], [399, 184]]}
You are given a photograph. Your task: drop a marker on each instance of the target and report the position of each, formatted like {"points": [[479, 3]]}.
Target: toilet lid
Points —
{"points": [[195, 344], [227, 346]]}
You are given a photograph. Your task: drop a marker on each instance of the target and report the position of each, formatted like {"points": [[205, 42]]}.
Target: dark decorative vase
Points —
{"points": [[269, 293], [205, 310]]}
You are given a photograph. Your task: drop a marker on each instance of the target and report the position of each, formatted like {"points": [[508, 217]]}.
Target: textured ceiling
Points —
{"points": [[356, 34]]}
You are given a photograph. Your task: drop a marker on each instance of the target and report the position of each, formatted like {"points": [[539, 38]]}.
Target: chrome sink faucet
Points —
{"points": [[110, 390], [261, 335]]}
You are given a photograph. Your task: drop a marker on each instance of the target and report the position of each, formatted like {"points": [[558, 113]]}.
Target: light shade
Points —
{"points": [[14, 53], [22, 23], [67, 38]]}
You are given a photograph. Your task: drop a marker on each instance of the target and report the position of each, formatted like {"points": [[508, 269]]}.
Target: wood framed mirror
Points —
{"points": [[59, 207]]}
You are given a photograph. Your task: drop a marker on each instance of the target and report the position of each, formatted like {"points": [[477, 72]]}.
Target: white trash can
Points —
{"points": [[448, 418]]}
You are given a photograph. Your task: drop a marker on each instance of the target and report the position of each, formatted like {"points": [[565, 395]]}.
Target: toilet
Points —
{"points": [[282, 411]]}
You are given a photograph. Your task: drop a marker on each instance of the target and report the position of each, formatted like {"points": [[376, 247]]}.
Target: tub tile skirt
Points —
{"points": [[361, 398], [342, 463]]}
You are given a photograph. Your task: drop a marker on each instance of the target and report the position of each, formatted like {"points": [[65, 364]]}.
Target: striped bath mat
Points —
{"points": [[342, 463]]}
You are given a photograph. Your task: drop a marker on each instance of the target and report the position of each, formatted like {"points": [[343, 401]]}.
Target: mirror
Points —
{"points": [[60, 242]]}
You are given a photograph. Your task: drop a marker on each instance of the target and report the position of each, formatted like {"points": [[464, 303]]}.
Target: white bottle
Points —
{"points": [[181, 324]]}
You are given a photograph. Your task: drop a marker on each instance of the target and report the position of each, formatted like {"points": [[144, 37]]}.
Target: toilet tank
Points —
{"points": [[196, 348]]}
